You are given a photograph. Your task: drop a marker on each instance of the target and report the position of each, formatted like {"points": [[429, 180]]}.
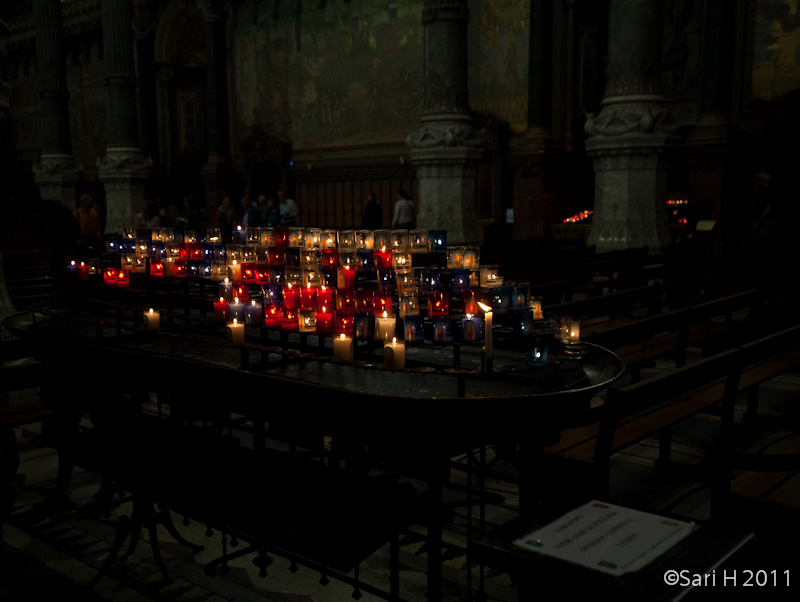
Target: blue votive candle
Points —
{"points": [[471, 328], [537, 352], [413, 329]]}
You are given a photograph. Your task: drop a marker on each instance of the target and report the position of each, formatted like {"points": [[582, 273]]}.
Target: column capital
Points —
{"points": [[445, 10], [211, 9], [440, 133]]}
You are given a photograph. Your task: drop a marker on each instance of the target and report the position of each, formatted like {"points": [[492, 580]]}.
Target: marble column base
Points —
{"points": [[57, 177], [447, 184], [630, 191], [124, 173]]}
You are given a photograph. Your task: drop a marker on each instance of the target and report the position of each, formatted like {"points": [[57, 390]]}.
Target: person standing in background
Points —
{"points": [[288, 210], [403, 212], [88, 221], [373, 214]]}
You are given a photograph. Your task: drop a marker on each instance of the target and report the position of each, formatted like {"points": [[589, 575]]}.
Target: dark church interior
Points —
{"points": [[403, 300]]}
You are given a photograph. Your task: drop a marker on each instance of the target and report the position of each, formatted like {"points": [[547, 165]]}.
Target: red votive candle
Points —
{"points": [[221, 310], [291, 298]]}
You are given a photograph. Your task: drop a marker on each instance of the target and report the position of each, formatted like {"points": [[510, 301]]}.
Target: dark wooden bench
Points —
{"points": [[651, 407]]}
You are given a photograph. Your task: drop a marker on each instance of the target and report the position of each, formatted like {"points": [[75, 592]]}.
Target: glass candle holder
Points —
{"points": [[307, 320], [343, 323], [382, 240], [313, 237], [366, 260], [406, 282], [142, 248], [238, 236], [500, 299], [156, 268], [267, 237], [381, 302], [292, 257], [329, 258], [273, 315], [442, 329], [346, 278], [277, 274], [418, 241], [537, 352], [537, 308], [328, 239], [490, 276], [471, 258], [408, 306], [455, 258], [309, 258], [110, 276], [459, 281], [190, 236], [294, 276], [413, 329], [471, 328], [248, 272], [522, 323], [437, 241], [194, 269], [365, 239], [398, 241], [253, 236], [181, 269], [213, 235], [346, 302], [280, 236], [383, 259], [324, 320], [401, 260], [348, 259], [387, 280], [438, 304], [326, 297], [519, 296], [363, 325], [329, 277], [311, 277], [429, 281], [254, 314], [346, 240], [167, 235], [297, 237]]}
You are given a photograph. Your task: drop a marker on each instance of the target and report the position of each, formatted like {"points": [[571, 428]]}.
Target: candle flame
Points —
{"points": [[151, 310], [73, 263], [385, 315], [236, 299], [221, 299], [469, 316], [341, 337], [485, 307], [394, 340], [254, 303], [235, 320]]}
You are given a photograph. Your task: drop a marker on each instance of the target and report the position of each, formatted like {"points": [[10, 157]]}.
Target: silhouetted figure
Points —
{"points": [[373, 214], [404, 217], [288, 210]]}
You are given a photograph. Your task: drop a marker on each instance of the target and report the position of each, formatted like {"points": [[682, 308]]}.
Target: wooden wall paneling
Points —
{"points": [[330, 207], [346, 214], [387, 202]]}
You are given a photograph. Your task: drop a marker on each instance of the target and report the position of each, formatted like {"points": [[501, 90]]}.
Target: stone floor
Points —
{"points": [[48, 553]]}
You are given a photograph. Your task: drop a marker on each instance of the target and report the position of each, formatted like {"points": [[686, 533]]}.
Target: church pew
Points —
{"points": [[651, 407]]}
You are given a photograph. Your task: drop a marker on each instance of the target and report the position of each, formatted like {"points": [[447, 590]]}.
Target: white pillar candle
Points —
{"points": [[487, 328], [343, 348], [237, 310], [385, 327], [235, 333], [394, 355], [152, 320]]}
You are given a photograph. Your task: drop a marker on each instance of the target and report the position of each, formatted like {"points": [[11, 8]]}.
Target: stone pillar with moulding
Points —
{"points": [[536, 157], [124, 169], [218, 174], [628, 139], [56, 173], [446, 149]]}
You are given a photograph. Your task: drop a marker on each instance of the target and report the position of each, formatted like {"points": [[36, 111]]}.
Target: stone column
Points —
{"points": [[144, 27], [56, 172], [536, 157], [217, 173], [5, 101], [712, 177], [446, 149], [123, 170], [628, 138]]}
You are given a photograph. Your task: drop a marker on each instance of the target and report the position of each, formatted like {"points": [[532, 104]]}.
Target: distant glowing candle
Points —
{"points": [[152, 320]]}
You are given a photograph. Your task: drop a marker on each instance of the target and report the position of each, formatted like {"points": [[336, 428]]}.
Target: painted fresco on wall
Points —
{"points": [[498, 50], [776, 48], [349, 73]]}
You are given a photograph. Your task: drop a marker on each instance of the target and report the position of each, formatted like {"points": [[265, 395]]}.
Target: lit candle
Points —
{"points": [[324, 321], [307, 320], [537, 308], [71, 270], [325, 297], [574, 331], [308, 297], [152, 320], [156, 268], [237, 310], [443, 329], [413, 329], [385, 326], [226, 289], [82, 271], [235, 333], [110, 276], [169, 267], [394, 355], [254, 314], [343, 349], [291, 297], [221, 310], [346, 278], [123, 279], [272, 317], [235, 271], [487, 321], [383, 258]]}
